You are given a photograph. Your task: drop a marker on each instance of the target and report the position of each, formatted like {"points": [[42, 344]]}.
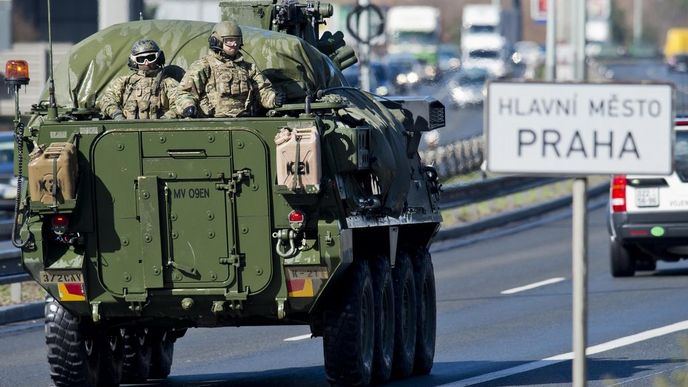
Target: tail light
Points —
{"points": [[619, 193], [60, 224], [296, 220]]}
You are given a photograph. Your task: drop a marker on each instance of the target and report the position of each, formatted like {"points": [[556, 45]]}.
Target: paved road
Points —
{"points": [[480, 330]]}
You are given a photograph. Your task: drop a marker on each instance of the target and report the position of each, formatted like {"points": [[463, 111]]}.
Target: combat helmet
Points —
{"points": [[224, 29], [146, 52]]}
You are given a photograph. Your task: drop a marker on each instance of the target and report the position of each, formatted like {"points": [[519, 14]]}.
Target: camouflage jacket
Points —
{"points": [[132, 95], [222, 87]]}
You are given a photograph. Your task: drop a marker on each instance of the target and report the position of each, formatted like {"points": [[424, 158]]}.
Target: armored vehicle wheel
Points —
{"points": [[623, 264], [349, 334], [383, 292], [79, 355], [137, 355], [405, 317], [426, 324], [162, 344]]}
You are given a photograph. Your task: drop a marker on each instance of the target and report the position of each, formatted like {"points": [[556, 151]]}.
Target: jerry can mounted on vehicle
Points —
{"points": [[52, 170]]}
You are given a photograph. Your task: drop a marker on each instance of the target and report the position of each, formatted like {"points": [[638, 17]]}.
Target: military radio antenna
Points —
{"points": [[52, 111]]}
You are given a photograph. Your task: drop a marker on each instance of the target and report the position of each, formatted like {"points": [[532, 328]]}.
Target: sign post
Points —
{"points": [[579, 129], [579, 245], [365, 23]]}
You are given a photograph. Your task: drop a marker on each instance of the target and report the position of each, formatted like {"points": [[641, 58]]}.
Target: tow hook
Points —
{"points": [[286, 245]]}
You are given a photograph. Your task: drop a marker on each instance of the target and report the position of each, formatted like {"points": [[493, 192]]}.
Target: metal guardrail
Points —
{"points": [[11, 269], [455, 159]]}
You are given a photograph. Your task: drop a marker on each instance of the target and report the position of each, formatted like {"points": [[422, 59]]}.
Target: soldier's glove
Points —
{"points": [[189, 112], [118, 116], [280, 98]]}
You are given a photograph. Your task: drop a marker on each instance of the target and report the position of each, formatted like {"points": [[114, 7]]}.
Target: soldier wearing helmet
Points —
{"points": [[144, 93], [222, 84]]}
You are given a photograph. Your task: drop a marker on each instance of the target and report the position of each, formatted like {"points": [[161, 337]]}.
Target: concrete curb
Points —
{"points": [[22, 312]]}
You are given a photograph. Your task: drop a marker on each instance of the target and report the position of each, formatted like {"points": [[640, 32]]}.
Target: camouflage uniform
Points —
{"points": [[132, 95], [223, 87]]}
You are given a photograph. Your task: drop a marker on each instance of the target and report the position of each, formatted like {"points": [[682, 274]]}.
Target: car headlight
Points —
{"points": [[457, 91], [401, 79], [454, 63], [430, 71], [381, 90], [412, 77], [432, 138]]}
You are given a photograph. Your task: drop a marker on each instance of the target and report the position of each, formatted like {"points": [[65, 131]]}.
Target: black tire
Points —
{"points": [[427, 313], [644, 261], [406, 314], [648, 264], [383, 293], [622, 263], [78, 354], [349, 334], [162, 353], [137, 355]]}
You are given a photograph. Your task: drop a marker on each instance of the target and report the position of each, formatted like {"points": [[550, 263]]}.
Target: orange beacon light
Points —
{"points": [[17, 72]]}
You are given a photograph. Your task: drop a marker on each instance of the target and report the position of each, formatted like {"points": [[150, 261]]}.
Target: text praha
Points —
{"points": [[608, 142], [595, 144]]}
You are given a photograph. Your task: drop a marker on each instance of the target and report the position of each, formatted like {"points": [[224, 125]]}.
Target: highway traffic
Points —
{"points": [[489, 320]]}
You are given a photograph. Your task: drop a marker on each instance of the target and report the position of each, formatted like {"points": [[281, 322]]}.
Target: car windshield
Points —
{"points": [[681, 155], [484, 54], [400, 67], [482, 29], [414, 37], [472, 79]]}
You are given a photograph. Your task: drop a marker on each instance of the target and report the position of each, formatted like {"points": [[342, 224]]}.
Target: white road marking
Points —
{"points": [[297, 338], [595, 349], [533, 286]]}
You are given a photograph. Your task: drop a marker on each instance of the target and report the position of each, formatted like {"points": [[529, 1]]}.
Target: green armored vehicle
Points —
{"points": [[318, 212]]}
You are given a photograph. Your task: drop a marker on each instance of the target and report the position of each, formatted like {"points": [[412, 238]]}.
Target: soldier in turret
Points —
{"points": [[223, 84], [145, 93]]}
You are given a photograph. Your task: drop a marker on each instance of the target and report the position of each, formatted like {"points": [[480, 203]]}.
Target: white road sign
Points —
{"points": [[579, 129]]}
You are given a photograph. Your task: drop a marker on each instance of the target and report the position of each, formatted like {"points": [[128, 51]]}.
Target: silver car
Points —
{"points": [[467, 87]]}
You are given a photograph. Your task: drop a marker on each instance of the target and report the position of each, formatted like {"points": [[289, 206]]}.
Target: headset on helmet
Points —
{"points": [[222, 30], [144, 46]]}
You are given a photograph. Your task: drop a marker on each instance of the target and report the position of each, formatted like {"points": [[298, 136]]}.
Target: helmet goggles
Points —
{"points": [[146, 57], [231, 40]]}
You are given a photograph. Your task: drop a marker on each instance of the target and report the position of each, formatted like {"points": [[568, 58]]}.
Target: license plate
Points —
{"points": [[57, 276], [647, 197]]}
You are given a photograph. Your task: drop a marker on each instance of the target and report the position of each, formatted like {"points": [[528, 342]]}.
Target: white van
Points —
{"points": [[485, 51]]}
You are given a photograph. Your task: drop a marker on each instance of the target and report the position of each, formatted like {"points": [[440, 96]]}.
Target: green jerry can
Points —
{"points": [[317, 212]]}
